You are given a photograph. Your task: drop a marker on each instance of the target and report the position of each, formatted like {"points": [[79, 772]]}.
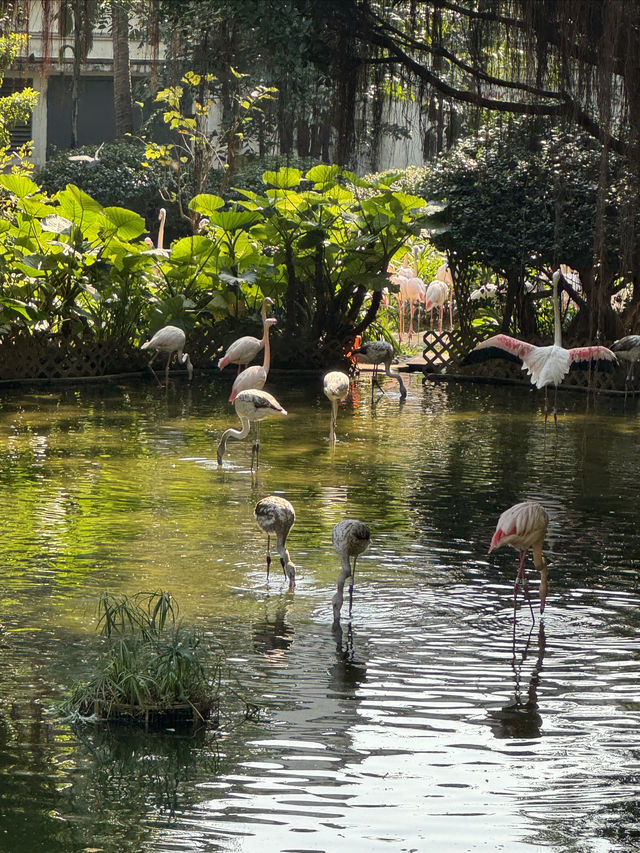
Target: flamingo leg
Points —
{"points": [[441, 315], [334, 416], [521, 580], [150, 366], [255, 450], [166, 370], [268, 554], [375, 380], [353, 577]]}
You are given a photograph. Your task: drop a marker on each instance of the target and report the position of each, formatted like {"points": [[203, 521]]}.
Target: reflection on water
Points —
{"points": [[521, 718], [423, 722]]}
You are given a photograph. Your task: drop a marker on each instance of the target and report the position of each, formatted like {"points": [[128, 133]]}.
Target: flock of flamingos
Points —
{"points": [[523, 526]]}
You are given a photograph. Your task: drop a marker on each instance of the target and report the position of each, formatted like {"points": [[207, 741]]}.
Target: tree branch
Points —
{"points": [[566, 108]]}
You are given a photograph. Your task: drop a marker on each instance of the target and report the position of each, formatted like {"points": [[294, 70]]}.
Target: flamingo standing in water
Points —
{"points": [[628, 349], [256, 375], [524, 526], [169, 339], [245, 349], [252, 406], [350, 538], [546, 365], [336, 387], [276, 515], [376, 353]]}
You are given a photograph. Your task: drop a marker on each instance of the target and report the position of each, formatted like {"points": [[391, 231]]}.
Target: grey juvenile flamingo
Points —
{"points": [[376, 353], [350, 538], [276, 515]]}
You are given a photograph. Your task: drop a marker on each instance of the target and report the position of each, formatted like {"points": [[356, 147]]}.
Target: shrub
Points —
{"points": [[153, 667]]}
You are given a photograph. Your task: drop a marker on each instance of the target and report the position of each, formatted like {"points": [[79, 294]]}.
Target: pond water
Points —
{"points": [[422, 723]]}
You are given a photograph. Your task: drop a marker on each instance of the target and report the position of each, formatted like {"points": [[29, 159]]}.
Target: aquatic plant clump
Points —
{"points": [[154, 669]]}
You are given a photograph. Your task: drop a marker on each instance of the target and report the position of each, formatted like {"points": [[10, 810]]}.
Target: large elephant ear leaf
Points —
{"points": [[76, 205], [206, 204], [19, 185]]}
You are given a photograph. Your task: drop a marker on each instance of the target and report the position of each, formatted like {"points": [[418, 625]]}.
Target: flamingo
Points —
{"points": [[436, 296], [277, 515], [400, 278], [524, 526], [350, 538], [169, 339], [628, 349], [379, 352], [412, 290], [252, 406], [256, 375], [546, 365], [245, 349], [162, 218], [485, 291], [86, 159], [416, 292], [336, 387]]}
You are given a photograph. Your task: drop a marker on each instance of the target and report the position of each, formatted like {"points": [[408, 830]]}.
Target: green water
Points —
{"points": [[421, 724]]}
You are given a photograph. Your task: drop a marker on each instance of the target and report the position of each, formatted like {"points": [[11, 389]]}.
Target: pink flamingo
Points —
{"points": [[245, 349], [546, 365], [415, 292], [252, 406], [437, 293], [256, 375], [336, 387], [524, 526]]}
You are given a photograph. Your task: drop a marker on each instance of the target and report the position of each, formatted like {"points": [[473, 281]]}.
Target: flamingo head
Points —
{"points": [[270, 321], [187, 363], [289, 571]]}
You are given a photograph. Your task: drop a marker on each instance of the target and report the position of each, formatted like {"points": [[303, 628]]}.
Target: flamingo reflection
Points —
{"points": [[521, 718]]}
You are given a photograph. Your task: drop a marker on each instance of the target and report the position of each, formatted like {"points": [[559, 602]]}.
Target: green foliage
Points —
{"points": [[150, 661], [120, 179], [317, 242], [195, 150], [510, 207], [18, 106]]}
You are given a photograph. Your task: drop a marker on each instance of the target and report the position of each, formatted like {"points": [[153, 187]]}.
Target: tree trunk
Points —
{"points": [[123, 101]]}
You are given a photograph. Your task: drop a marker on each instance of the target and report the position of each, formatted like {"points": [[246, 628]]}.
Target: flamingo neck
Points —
{"points": [[163, 216], [338, 598], [239, 434], [267, 348], [389, 372], [557, 320]]}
